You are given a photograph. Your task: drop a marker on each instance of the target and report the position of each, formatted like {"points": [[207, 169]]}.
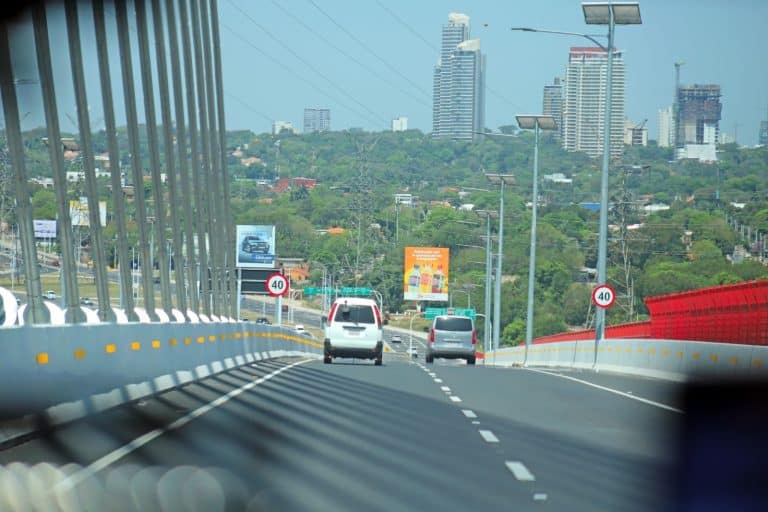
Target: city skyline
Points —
{"points": [[371, 61]]}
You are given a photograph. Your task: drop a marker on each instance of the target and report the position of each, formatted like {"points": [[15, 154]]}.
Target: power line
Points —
{"points": [[365, 47], [306, 62], [297, 75], [248, 106], [408, 27], [346, 54]]}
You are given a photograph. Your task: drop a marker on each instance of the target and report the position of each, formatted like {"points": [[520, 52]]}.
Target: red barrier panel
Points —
{"points": [[736, 313]]}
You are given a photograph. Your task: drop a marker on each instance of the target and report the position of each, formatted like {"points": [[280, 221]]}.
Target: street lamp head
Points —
{"points": [[487, 213], [529, 122], [624, 13], [508, 179]]}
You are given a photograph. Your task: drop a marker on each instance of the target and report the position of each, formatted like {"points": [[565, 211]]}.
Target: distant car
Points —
{"points": [[452, 337], [300, 328], [413, 352], [50, 295], [85, 301], [396, 338], [252, 243], [263, 321]]}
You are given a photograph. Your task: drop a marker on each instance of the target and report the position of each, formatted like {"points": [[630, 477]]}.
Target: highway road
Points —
{"points": [[295, 434]]}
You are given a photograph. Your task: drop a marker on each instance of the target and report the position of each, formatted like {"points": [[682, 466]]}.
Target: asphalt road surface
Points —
{"points": [[295, 434]]}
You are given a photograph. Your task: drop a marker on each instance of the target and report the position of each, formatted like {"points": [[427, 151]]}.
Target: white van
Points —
{"points": [[353, 329]]}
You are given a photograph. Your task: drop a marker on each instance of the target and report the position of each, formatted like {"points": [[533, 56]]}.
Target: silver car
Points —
{"points": [[452, 337]]}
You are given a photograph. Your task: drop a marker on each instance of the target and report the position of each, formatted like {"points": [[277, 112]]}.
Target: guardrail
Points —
{"points": [[72, 370], [666, 359]]}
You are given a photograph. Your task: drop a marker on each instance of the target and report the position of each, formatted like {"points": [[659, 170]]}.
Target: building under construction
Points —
{"points": [[698, 114]]}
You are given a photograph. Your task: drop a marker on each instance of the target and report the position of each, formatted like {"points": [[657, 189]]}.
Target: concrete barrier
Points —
{"points": [[102, 365], [666, 359]]}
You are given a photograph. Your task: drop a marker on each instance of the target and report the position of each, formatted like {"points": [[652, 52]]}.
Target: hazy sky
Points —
{"points": [[371, 60]]}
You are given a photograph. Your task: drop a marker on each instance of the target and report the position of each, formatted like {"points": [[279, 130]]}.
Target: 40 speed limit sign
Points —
{"points": [[603, 296], [277, 285]]}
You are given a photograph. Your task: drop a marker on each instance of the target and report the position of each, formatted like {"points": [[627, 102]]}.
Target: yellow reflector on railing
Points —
{"points": [[111, 348], [42, 358], [135, 345], [79, 353]]}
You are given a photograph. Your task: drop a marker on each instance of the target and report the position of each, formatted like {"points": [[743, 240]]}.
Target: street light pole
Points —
{"points": [[610, 14], [536, 123], [501, 179], [487, 214]]}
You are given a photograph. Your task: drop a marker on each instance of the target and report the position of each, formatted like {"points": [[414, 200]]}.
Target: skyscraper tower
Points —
{"points": [[458, 103], [553, 105], [317, 120], [585, 89], [762, 136]]}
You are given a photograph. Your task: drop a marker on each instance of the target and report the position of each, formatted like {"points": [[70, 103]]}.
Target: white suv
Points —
{"points": [[353, 329]]}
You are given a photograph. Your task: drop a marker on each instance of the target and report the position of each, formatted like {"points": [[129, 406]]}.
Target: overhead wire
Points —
{"points": [[378, 75], [294, 73], [307, 63], [366, 48]]}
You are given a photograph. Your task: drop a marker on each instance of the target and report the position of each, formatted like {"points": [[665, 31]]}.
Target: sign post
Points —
{"points": [[603, 296], [277, 286]]}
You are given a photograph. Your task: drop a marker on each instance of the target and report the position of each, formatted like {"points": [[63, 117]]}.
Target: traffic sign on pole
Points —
{"points": [[603, 296], [277, 285]]}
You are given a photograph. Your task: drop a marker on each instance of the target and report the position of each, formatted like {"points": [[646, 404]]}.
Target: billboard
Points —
{"points": [[78, 212], [255, 246], [44, 228], [426, 274]]}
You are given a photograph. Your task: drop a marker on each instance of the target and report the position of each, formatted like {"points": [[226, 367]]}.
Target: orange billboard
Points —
{"points": [[426, 273]]}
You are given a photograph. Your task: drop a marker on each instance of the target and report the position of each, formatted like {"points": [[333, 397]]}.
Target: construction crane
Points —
{"points": [[675, 105]]}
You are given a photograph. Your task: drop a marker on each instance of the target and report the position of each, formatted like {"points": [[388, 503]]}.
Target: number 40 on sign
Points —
{"points": [[603, 296]]}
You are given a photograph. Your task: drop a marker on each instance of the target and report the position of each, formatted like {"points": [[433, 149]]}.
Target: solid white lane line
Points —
{"points": [[117, 454], [454, 398], [488, 436], [520, 471], [614, 391], [445, 388], [469, 413]]}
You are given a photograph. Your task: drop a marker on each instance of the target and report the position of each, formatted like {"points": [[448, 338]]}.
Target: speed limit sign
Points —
{"points": [[277, 285], [603, 296]]}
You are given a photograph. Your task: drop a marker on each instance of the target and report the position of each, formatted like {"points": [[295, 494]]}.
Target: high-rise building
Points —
{"points": [[458, 103], [317, 120], [666, 127], [553, 105], [583, 111], [697, 127], [762, 136], [399, 124], [698, 115]]}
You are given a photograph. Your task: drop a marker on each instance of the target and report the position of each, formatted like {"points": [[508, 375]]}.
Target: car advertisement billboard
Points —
{"points": [[44, 228], [255, 246], [426, 274]]}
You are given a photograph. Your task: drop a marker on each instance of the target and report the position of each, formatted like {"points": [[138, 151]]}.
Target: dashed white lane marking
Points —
{"points": [[520, 471], [539, 496], [112, 457], [475, 422], [469, 413], [445, 388], [439, 381], [433, 375], [488, 436], [454, 398], [620, 393]]}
